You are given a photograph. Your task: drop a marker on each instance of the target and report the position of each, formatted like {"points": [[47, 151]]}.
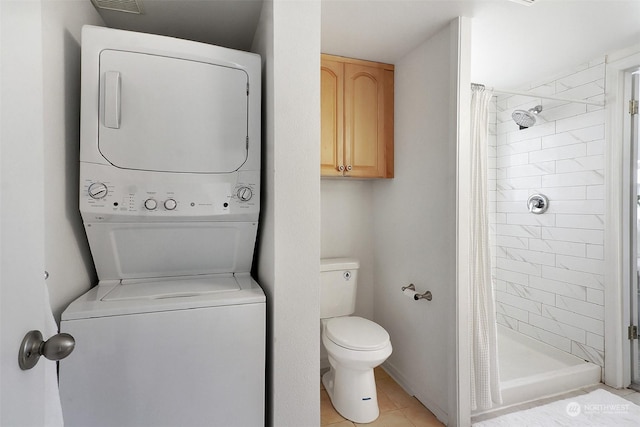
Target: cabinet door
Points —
{"points": [[332, 118], [364, 121]]}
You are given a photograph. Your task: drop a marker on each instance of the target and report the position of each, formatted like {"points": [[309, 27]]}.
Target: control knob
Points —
{"points": [[150, 204], [97, 190], [244, 193], [170, 204]]}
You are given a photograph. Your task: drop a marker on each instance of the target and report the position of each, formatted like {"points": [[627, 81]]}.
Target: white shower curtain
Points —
{"points": [[485, 379]]}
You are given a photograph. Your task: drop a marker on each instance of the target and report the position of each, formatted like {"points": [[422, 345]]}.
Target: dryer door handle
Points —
{"points": [[112, 85]]}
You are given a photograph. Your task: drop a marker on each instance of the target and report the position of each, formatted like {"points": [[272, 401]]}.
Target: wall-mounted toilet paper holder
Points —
{"points": [[416, 296]]}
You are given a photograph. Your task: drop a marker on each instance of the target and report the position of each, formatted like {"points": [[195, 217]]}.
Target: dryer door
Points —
{"points": [[168, 114]]}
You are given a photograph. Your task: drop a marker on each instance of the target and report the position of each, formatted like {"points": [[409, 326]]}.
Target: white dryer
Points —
{"points": [[174, 332]]}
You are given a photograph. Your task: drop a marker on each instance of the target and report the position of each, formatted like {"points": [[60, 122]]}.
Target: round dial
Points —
{"points": [[150, 204], [170, 204], [244, 193], [98, 190]]}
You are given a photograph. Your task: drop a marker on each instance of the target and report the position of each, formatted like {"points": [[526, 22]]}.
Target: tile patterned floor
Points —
{"points": [[397, 408]]}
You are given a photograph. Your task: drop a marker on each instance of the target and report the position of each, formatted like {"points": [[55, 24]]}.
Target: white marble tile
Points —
{"points": [[571, 332], [587, 134], [512, 207], [579, 78], [519, 266], [586, 265], [586, 352], [577, 207], [579, 164], [512, 312], [572, 235], [534, 257], [559, 288], [518, 302], [594, 222], [512, 242], [592, 118], [573, 179], [512, 160], [587, 91], [519, 147], [520, 183], [512, 276], [557, 247], [532, 169], [531, 294], [595, 251], [513, 195], [558, 153], [589, 280], [595, 296], [595, 192], [530, 219], [561, 110], [584, 308], [577, 192], [507, 321], [574, 319], [595, 147], [557, 341], [518, 230], [595, 341]]}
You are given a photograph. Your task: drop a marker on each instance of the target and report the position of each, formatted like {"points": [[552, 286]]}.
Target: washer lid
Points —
{"points": [[172, 287], [356, 333]]}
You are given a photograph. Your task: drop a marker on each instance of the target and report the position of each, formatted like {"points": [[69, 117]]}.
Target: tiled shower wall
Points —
{"points": [[548, 268]]}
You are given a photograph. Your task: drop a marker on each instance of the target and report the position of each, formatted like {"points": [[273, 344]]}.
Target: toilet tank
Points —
{"points": [[338, 284]]}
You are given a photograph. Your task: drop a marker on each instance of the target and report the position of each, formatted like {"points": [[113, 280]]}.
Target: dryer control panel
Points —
{"points": [[136, 196]]}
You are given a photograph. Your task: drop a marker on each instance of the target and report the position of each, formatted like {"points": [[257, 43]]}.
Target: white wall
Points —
{"points": [[415, 226], [347, 231], [550, 267], [288, 38], [67, 256]]}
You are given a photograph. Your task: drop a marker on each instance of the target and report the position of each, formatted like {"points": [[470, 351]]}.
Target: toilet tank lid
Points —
{"points": [[332, 264]]}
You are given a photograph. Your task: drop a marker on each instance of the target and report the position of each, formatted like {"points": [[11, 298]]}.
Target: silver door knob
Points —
{"points": [[33, 346]]}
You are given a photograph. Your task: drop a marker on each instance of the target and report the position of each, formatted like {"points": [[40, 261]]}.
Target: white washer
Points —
{"points": [[147, 356], [174, 333]]}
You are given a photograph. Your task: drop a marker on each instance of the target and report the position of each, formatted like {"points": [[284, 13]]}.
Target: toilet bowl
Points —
{"points": [[355, 346]]}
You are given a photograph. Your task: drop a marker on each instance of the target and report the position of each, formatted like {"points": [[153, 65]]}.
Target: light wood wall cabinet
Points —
{"points": [[357, 118]]}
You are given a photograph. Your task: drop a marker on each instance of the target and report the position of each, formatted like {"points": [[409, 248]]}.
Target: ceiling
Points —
{"points": [[512, 44]]}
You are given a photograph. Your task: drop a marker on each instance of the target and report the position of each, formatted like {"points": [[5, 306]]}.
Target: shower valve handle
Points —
{"points": [[538, 203]]}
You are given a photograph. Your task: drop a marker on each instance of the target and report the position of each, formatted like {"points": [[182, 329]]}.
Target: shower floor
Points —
{"points": [[531, 369]]}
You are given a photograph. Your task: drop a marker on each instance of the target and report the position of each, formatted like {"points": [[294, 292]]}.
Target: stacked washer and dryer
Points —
{"points": [[174, 332]]}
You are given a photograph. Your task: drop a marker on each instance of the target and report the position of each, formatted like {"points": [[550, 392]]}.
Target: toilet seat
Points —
{"points": [[356, 333]]}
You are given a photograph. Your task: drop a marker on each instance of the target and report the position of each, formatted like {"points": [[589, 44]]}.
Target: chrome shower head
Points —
{"points": [[526, 119]]}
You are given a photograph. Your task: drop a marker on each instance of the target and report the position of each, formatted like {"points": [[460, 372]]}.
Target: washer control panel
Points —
{"points": [[105, 198]]}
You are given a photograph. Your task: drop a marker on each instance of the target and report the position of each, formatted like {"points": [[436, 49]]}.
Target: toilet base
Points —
{"points": [[353, 393]]}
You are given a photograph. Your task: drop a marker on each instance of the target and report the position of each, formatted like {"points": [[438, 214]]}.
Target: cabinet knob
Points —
{"points": [[341, 168], [349, 168]]}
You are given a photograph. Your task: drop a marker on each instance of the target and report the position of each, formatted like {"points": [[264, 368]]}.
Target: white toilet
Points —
{"points": [[355, 345]]}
